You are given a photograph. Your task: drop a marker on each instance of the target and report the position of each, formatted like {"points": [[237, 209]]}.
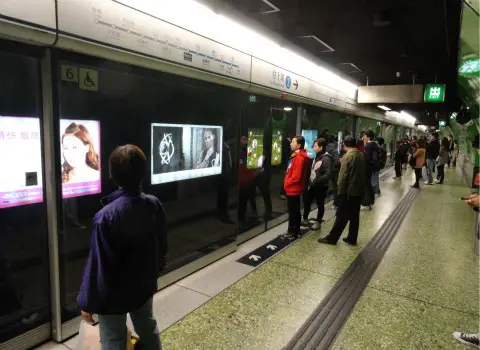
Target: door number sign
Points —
{"points": [[86, 78]]}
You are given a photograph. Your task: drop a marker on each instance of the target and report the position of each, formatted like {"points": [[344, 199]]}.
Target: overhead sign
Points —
{"points": [[327, 95], [434, 93], [469, 67], [442, 123], [269, 75], [120, 26]]}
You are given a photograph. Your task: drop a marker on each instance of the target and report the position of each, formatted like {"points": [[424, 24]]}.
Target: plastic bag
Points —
{"points": [[88, 337]]}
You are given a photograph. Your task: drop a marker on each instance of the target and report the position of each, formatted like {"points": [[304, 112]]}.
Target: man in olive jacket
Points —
{"points": [[351, 187]]}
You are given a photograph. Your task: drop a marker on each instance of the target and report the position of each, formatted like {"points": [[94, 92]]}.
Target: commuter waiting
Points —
{"points": [[127, 252], [351, 187], [433, 149], [320, 177], [294, 185], [372, 159]]}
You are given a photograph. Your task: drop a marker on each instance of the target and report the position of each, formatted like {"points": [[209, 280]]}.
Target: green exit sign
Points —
{"points": [[252, 98], [442, 123], [434, 93]]}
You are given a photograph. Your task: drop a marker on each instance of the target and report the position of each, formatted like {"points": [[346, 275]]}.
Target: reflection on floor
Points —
{"points": [[425, 288]]}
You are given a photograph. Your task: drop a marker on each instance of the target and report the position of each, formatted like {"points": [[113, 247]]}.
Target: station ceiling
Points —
{"points": [[383, 42]]}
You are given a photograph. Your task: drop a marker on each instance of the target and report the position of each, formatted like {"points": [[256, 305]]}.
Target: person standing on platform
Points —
{"points": [[127, 251], [351, 187], [451, 145], [433, 149], [294, 184], [442, 159], [320, 176], [372, 160], [398, 160], [418, 159]]}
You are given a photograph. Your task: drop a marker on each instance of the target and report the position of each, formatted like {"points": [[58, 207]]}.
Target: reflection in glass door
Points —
{"points": [[24, 278]]}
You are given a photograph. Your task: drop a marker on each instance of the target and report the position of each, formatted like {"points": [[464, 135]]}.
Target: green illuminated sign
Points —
{"points": [[453, 116], [441, 123], [434, 93], [469, 67], [252, 98]]}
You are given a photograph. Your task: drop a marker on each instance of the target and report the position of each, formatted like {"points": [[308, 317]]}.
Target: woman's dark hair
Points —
{"points": [[349, 141], [128, 167], [421, 143], [445, 142], [91, 158], [321, 142], [381, 141], [300, 141]]}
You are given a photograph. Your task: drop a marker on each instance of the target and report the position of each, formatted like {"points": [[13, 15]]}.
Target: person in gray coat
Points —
{"points": [[442, 159], [320, 177]]}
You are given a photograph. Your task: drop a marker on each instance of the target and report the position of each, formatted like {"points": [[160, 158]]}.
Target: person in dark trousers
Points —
{"points": [[442, 159], [418, 161], [433, 149], [320, 176], [351, 187], [127, 251], [286, 152], [294, 184], [332, 149], [398, 160], [451, 146], [372, 160]]}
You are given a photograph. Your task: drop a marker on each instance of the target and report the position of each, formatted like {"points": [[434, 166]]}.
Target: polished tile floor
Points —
{"points": [[425, 288]]}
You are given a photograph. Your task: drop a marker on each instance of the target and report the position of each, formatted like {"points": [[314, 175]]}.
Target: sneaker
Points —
{"points": [[428, 183], [366, 207], [305, 222], [288, 235], [467, 338], [325, 240], [316, 225]]}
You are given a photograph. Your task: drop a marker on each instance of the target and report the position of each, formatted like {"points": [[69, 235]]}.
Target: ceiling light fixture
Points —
{"points": [[288, 109], [385, 108]]}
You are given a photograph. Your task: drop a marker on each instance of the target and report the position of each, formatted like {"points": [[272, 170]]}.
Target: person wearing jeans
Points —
{"points": [[127, 252], [320, 176], [442, 160], [433, 149], [295, 183]]}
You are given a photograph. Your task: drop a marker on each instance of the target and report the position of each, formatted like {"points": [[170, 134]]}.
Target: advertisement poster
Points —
{"points": [[310, 137], [181, 152], [80, 155], [255, 156], [277, 141], [21, 150]]}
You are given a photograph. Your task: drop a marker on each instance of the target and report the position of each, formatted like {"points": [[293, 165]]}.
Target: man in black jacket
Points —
{"points": [[433, 150], [372, 162], [320, 176]]}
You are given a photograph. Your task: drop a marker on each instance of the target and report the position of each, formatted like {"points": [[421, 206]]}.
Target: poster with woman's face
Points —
{"points": [[80, 157], [181, 152]]}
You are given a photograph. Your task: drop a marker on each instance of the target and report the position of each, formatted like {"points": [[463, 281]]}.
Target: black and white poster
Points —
{"points": [[181, 152]]}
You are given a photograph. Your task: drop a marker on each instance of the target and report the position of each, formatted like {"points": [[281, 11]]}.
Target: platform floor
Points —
{"points": [[426, 287]]}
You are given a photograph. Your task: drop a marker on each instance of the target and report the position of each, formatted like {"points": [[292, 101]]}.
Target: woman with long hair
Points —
{"points": [[209, 156], [419, 157], [80, 160]]}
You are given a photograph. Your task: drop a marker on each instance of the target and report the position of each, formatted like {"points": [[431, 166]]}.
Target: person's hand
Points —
{"points": [[473, 202], [87, 317]]}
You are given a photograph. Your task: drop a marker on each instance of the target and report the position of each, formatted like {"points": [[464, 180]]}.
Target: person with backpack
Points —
{"points": [[372, 161], [127, 252], [332, 149], [320, 176]]}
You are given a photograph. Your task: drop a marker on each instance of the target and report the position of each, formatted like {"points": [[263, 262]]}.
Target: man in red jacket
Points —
{"points": [[294, 184]]}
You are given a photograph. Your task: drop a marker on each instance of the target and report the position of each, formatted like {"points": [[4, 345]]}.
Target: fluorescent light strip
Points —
{"points": [[385, 108], [200, 19], [274, 8]]}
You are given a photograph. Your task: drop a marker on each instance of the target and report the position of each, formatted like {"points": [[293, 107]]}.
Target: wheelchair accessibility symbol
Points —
{"points": [[88, 79]]}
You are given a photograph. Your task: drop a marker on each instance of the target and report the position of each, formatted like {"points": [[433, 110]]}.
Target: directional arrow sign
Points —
{"points": [[272, 247], [296, 85], [254, 257]]}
